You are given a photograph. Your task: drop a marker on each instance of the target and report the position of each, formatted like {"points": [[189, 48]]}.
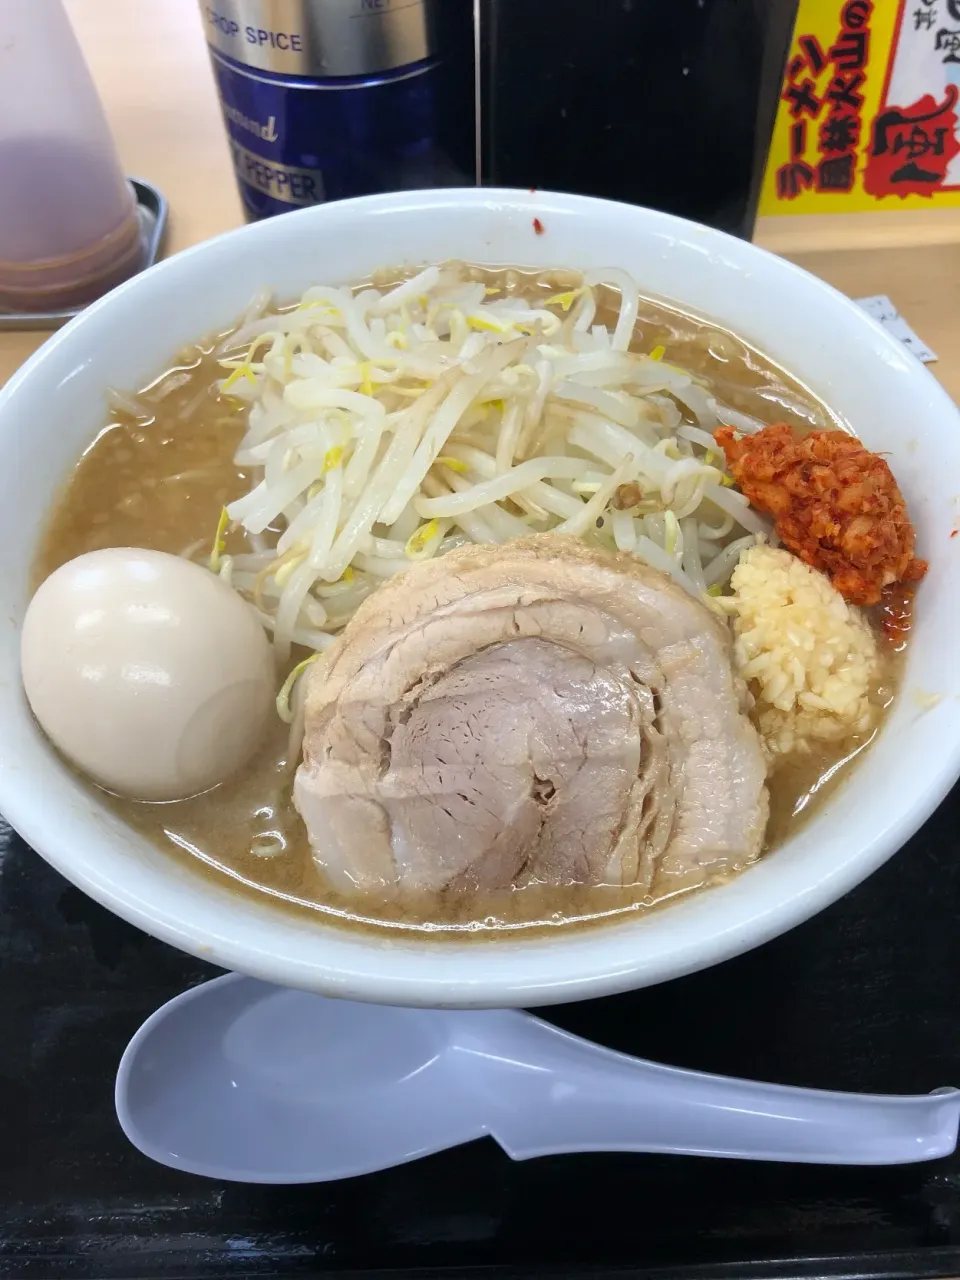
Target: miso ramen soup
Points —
{"points": [[162, 469]]}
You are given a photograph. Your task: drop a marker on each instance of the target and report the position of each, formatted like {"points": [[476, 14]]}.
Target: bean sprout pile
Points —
{"points": [[386, 427]]}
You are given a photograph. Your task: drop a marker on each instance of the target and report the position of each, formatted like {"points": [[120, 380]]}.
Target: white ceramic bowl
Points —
{"points": [[53, 407]]}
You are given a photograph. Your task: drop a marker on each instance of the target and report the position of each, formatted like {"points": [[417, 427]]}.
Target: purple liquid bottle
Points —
{"points": [[69, 229], [324, 99]]}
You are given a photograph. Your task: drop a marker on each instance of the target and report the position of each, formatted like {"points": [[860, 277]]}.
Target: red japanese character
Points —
{"points": [[840, 133], [836, 173], [810, 58], [793, 178], [843, 91], [911, 147], [802, 98], [856, 14]]}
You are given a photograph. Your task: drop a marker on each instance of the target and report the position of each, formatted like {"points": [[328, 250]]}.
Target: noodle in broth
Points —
{"points": [[158, 476]]}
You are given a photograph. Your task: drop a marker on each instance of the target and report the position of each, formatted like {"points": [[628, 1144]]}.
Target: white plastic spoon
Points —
{"points": [[244, 1081]]}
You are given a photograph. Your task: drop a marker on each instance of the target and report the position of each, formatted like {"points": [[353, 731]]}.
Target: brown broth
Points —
{"points": [[158, 479]]}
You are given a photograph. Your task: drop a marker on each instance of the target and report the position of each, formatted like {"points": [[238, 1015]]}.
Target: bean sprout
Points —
{"points": [[385, 427]]}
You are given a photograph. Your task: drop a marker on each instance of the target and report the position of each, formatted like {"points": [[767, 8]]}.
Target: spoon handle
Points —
{"points": [[562, 1094]]}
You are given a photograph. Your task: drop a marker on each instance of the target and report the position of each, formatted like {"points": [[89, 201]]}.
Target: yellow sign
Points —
{"points": [[868, 113]]}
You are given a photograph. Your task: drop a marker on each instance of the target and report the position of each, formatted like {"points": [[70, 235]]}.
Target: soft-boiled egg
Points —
{"points": [[146, 671]]}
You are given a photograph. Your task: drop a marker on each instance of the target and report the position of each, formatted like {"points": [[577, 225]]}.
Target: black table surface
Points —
{"points": [[864, 997]]}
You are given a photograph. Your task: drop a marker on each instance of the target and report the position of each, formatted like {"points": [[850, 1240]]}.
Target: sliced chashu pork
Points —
{"points": [[533, 712]]}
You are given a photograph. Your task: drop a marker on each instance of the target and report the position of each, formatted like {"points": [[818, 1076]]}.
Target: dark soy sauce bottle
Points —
{"points": [[665, 103]]}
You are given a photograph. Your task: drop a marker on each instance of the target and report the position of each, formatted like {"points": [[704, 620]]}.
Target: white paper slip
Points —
{"points": [[882, 309]]}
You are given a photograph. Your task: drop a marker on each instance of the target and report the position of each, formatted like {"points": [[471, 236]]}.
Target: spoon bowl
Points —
{"points": [[243, 1081], [239, 1079]]}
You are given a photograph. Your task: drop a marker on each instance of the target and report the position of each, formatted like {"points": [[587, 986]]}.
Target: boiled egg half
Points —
{"points": [[147, 672]]}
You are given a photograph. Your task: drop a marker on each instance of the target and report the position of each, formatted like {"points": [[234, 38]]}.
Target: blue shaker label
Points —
{"points": [[284, 182], [266, 132], [298, 142], [276, 167]]}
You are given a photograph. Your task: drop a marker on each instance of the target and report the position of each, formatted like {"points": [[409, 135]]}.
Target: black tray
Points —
{"points": [[863, 997]]}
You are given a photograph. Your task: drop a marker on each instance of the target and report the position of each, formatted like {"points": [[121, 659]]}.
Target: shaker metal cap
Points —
{"points": [[320, 38]]}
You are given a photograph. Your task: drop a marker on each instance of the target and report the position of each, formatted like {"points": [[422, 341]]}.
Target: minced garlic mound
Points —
{"points": [[809, 658]]}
